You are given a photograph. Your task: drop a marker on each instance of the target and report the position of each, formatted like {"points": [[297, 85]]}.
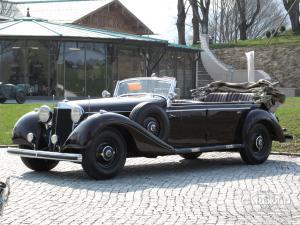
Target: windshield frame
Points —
{"points": [[171, 80]]}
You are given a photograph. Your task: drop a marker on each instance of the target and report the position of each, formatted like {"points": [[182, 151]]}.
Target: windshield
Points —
{"points": [[139, 86]]}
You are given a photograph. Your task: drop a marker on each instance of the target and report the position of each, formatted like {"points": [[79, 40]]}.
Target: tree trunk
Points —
{"points": [[243, 31], [205, 12], [181, 16], [241, 4], [294, 14], [196, 31], [195, 22]]}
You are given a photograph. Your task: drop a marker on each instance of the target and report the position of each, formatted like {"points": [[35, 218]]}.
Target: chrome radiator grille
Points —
{"points": [[62, 124]]}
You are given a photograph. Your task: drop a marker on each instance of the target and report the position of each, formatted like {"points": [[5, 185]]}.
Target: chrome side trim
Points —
{"points": [[71, 157], [209, 109], [207, 148]]}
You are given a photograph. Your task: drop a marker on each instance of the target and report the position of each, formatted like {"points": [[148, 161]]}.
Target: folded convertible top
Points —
{"points": [[263, 91]]}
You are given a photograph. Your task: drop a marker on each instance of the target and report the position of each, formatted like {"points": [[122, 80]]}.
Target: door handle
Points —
{"points": [[171, 116]]}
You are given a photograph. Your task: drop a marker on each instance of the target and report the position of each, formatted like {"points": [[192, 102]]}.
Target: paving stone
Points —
{"points": [[217, 188]]}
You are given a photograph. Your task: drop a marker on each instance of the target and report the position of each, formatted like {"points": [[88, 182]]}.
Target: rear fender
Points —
{"points": [[146, 143], [29, 123], [266, 118]]}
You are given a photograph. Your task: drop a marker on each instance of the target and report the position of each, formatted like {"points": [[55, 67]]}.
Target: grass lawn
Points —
{"points": [[289, 116], [9, 114], [284, 39]]}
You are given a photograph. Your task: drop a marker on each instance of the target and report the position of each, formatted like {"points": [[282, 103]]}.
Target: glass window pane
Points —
{"points": [[95, 69], [74, 70], [130, 62]]}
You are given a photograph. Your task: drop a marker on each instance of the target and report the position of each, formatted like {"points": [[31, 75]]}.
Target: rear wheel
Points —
{"points": [[106, 156], [193, 155], [258, 145], [38, 164]]}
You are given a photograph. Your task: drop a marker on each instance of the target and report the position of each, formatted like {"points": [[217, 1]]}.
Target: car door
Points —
{"points": [[224, 122], [187, 125]]}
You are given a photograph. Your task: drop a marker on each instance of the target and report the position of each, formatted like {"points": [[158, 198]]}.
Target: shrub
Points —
{"points": [[268, 34], [282, 29], [274, 33]]}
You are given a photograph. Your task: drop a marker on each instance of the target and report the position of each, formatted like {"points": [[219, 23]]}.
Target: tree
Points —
{"points": [[195, 21], [204, 7], [270, 17], [224, 19], [293, 8], [244, 22], [181, 16], [7, 8]]}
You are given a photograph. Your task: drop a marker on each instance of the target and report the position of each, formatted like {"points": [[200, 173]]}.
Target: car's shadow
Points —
{"points": [[204, 172]]}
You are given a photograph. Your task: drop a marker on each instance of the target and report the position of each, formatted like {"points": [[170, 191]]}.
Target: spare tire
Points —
{"points": [[153, 118], [20, 97]]}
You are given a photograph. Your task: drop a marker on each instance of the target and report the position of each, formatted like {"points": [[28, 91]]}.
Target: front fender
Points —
{"points": [[266, 118], [28, 123], [146, 143]]}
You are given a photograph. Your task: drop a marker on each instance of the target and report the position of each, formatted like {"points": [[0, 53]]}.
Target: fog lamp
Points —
{"points": [[30, 137], [54, 139]]}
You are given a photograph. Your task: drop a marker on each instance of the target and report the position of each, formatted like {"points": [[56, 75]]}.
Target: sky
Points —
{"points": [[158, 15]]}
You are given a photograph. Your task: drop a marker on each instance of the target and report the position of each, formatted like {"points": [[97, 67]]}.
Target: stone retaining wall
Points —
{"points": [[280, 62]]}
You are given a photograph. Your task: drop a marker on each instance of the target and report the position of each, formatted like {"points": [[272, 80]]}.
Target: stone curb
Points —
{"points": [[272, 153]]}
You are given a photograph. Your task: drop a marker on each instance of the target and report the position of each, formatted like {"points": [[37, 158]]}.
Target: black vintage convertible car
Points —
{"points": [[144, 119]]}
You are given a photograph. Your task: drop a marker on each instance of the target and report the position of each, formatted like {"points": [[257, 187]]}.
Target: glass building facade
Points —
{"points": [[80, 69]]}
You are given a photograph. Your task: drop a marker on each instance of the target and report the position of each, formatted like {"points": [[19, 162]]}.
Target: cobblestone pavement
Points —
{"points": [[217, 188]]}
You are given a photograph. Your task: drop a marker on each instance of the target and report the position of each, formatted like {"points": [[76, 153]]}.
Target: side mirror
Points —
{"points": [[105, 94]]}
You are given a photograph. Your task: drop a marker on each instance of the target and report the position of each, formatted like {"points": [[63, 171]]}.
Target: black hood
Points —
{"points": [[116, 104]]}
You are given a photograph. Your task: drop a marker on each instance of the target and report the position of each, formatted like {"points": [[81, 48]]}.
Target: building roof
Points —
{"points": [[59, 11], [4, 17], [29, 27], [66, 11]]}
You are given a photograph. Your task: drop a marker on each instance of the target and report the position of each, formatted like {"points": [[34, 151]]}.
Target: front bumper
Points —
{"points": [[71, 157]]}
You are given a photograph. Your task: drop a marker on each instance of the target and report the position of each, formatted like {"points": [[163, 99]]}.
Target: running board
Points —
{"points": [[207, 148]]}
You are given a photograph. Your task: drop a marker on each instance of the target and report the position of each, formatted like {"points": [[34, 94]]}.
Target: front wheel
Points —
{"points": [[106, 155], [38, 164], [258, 145]]}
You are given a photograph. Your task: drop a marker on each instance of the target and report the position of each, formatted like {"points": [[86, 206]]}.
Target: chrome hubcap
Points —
{"points": [[108, 153], [259, 142], [152, 126]]}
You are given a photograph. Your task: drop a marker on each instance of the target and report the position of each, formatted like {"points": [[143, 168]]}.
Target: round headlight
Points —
{"points": [[76, 113], [45, 114]]}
